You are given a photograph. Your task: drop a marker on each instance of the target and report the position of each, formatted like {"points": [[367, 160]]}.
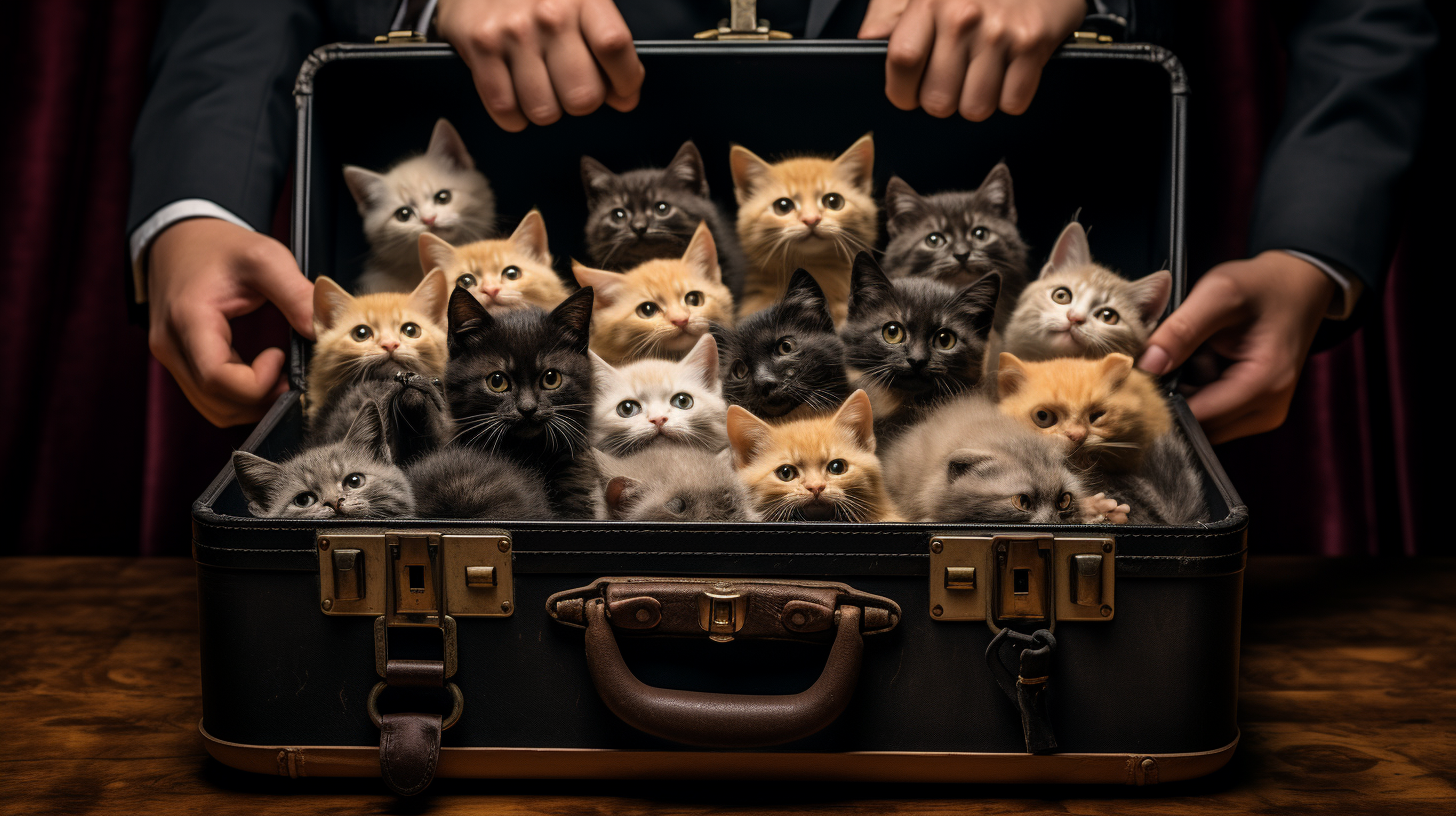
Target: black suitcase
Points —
{"points": [[795, 651]]}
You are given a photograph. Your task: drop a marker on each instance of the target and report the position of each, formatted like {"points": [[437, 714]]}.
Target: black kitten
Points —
{"points": [[785, 358], [460, 482], [413, 407], [521, 385], [914, 341], [957, 237], [644, 214]]}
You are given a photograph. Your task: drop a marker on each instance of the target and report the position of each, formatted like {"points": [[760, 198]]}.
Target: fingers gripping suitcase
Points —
{"points": [[808, 650]]}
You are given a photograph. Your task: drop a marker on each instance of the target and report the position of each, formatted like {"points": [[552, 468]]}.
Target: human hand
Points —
{"points": [[1261, 315], [968, 55], [201, 273], [532, 59]]}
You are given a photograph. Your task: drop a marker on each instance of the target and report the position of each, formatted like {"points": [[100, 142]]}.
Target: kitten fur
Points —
{"points": [[416, 418], [785, 362], [1166, 489], [459, 482], [812, 234], [521, 385], [672, 482], [318, 476], [804, 450], [1107, 411], [651, 403], [913, 342], [340, 357], [439, 192], [1077, 308], [504, 273], [958, 237], [661, 308], [641, 215]]}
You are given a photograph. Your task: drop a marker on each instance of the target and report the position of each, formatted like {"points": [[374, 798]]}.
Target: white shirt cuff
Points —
{"points": [[1343, 304], [142, 236]]}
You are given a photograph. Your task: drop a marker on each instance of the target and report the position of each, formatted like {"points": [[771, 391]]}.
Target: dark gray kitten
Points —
{"points": [[520, 384], [351, 478], [415, 415], [957, 237], [459, 482], [785, 358], [913, 342], [1166, 488], [644, 214], [673, 482]]}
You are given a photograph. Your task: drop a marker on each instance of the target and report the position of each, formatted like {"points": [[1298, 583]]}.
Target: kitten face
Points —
{"points": [[661, 308], [955, 237], [521, 381], [1079, 309], [503, 274], [672, 483], [352, 478], [374, 336], [640, 215], [786, 356], [917, 337], [655, 402]]}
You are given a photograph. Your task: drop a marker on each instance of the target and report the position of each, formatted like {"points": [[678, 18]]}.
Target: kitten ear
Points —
{"points": [[857, 164], [435, 252], [1116, 368], [749, 172], [621, 495], [1071, 249], [573, 315], [965, 460], [702, 361], [747, 435], [258, 478], [1010, 374], [329, 301], [368, 431], [445, 143], [603, 282], [903, 206], [1151, 293], [977, 302], [432, 296], [995, 192], [686, 168], [530, 237], [366, 186], [869, 288], [603, 370], [595, 178], [857, 417], [702, 255], [467, 320], [804, 303]]}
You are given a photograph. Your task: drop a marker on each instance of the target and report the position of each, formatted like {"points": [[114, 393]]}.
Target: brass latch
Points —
{"points": [[400, 38], [742, 24], [1089, 38], [721, 613], [416, 577], [1007, 579]]}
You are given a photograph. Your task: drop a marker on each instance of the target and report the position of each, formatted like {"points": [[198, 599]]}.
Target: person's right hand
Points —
{"points": [[532, 59], [201, 273]]}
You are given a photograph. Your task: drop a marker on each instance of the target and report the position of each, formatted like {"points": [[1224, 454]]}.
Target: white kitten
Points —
{"points": [[439, 192], [652, 400]]}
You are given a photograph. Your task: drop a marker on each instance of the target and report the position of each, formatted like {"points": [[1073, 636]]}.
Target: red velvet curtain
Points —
{"points": [[102, 454]]}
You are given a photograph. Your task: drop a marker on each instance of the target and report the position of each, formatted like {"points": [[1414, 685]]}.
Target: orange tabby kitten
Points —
{"points": [[805, 213], [818, 469], [357, 335], [660, 308], [503, 274], [1108, 412]]}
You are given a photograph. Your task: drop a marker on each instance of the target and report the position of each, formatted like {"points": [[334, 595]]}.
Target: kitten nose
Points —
{"points": [[526, 408], [918, 363], [811, 219], [961, 256], [658, 421], [1075, 317], [493, 291], [389, 345], [815, 489], [639, 227], [680, 321], [429, 221], [1076, 433]]}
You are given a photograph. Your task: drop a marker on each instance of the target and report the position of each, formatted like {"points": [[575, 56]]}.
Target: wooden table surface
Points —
{"points": [[1348, 706]]}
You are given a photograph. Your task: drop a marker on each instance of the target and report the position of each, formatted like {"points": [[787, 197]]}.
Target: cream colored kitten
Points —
{"points": [[652, 402], [503, 274]]}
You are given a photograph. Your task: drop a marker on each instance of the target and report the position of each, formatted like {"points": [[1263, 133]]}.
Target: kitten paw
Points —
{"points": [[1099, 509]]}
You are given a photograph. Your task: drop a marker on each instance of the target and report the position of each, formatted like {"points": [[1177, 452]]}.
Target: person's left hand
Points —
{"points": [[1260, 315]]}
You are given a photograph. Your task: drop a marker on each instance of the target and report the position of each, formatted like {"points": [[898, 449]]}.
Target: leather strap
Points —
{"points": [[1029, 690], [409, 748]]}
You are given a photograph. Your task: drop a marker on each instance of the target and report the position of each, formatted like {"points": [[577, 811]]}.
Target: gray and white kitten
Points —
{"points": [[1165, 489], [1077, 308], [352, 478], [671, 482], [439, 192], [959, 236], [460, 482], [652, 213], [652, 402]]}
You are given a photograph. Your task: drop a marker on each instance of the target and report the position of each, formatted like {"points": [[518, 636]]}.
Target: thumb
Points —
{"points": [[1202, 315], [880, 19], [282, 283]]}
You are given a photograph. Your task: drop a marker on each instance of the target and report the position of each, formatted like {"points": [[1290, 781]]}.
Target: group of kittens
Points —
{"points": [[772, 372]]}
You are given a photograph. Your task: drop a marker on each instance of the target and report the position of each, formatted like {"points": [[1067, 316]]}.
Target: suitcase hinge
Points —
{"points": [[416, 578], [742, 24], [1021, 579]]}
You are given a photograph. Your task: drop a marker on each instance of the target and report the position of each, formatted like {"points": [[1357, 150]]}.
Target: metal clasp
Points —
{"points": [[721, 614], [1013, 579], [742, 24], [400, 38], [415, 577]]}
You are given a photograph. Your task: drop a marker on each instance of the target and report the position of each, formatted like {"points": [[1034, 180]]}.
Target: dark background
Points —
{"points": [[102, 454]]}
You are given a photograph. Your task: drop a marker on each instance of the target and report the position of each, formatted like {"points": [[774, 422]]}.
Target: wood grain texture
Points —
{"points": [[1348, 706]]}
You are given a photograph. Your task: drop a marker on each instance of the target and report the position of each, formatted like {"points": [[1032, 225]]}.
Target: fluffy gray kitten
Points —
{"points": [[673, 482], [458, 482], [416, 420], [1165, 489], [352, 478]]}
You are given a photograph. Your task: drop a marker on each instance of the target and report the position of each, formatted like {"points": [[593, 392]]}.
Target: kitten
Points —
{"points": [[351, 478], [651, 403], [804, 213], [661, 308], [416, 419], [1077, 308], [1107, 412], [640, 215], [785, 362], [439, 192], [817, 469], [458, 482], [671, 482], [373, 337], [958, 237], [521, 385], [1166, 489], [968, 462], [912, 342], [503, 274]]}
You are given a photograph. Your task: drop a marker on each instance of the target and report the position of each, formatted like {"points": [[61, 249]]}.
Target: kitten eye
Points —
{"points": [[648, 309], [1108, 316], [837, 467], [466, 281], [693, 298], [1064, 501], [945, 339], [935, 240], [354, 481], [1022, 502], [1044, 418], [893, 333], [619, 214], [629, 408], [498, 382], [787, 473], [304, 500], [1062, 294], [682, 400], [980, 233], [551, 380], [410, 330], [662, 207], [740, 370], [511, 273], [676, 505], [361, 332], [442, 197], [785, 346], [1096, 415], [832, 201], [403, 213], [784, 206]]}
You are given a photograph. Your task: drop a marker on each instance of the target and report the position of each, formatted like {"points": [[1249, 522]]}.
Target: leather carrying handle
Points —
{"points": [[723, 720]]}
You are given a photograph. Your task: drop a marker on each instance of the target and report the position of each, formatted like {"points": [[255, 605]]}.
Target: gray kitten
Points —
{"points": [[1165, 489], [459, 482], [352, 478], [416, 419], [673, 482]]}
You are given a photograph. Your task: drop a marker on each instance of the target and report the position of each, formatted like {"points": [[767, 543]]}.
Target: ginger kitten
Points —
{"points": [[804, 213], [504, 273], [817, 469], [660, 308]]}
